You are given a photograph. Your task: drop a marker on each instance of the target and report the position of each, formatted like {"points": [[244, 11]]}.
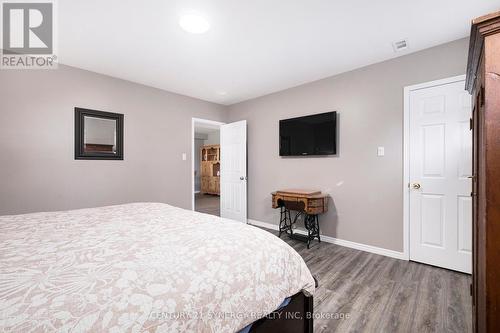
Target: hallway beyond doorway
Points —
{"points": [[208, 204]]}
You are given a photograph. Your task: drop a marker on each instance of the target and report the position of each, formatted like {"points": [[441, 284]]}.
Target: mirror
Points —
{"points": [[98, 135]]}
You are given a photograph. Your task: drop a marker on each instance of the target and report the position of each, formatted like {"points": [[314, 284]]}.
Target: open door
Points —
{"points": [[233, 173]]}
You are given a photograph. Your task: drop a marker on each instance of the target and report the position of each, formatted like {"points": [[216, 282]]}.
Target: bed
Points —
{"points": [[147, 267]]}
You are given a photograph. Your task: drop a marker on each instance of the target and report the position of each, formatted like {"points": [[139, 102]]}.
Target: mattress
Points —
{"points": [[142, 267]]}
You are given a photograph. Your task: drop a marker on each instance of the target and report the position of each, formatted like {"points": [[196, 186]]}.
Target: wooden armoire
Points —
{"points": [[483, 82], [210, 169]]}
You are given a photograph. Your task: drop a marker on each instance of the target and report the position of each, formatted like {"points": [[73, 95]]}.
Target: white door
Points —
{"points": [[440, 164], [233, 177]]}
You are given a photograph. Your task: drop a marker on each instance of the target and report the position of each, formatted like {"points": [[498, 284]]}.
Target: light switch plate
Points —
{"points": [[380, 151], [184, 156]]}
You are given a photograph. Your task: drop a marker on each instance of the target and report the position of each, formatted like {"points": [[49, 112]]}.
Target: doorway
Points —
{"points": [[438, 170], [221, 167], [206, 166]]}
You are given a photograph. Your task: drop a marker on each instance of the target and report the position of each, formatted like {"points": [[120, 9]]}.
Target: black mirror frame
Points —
{"points": [[80, 154]]}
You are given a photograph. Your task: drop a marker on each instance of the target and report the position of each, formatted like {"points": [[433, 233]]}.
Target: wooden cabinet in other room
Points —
{"points": [[210, 169]]}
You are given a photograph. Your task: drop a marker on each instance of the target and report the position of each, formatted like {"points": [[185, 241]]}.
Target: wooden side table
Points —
{"points": [[307, 203]]}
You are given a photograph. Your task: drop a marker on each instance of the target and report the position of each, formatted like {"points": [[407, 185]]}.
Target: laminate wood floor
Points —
{"points": [[365, 292], [207, 203]]}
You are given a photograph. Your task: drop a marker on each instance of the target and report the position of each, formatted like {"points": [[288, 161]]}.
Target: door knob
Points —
{"points": [[415, 186], [242, 178]]}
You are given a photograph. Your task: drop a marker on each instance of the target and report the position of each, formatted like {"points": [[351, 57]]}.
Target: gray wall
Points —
{"points": [[213, 138], [37, 167], [367, 204], [38, 171]]}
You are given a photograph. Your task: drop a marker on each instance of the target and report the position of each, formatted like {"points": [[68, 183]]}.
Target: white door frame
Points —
{"points": [[406, 154], [194, 122]]}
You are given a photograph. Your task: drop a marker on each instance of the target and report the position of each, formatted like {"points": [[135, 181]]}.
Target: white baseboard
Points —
{"points": [[341, 242]]}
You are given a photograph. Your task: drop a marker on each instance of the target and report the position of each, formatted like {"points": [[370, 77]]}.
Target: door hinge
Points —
{"points": [[481, 97], [470, 289], [471, 124]]}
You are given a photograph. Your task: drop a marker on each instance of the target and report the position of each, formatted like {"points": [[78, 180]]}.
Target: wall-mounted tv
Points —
{"points": [[310, 135]]}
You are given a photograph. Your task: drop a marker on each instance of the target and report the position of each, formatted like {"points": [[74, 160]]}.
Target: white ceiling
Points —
{"points": [[254, 47]]}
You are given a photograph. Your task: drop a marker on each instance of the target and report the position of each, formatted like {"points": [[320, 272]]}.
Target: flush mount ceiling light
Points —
{"points": [[194, 23]]}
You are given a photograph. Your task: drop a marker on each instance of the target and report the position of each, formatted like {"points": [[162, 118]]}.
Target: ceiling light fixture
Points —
{"points": [[194, 23]]}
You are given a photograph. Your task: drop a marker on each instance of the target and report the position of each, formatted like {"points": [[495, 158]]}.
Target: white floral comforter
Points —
{"points": [[143, 267]]}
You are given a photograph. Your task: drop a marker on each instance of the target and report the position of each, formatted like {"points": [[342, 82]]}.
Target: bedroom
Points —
{"points": [[98, 106]]}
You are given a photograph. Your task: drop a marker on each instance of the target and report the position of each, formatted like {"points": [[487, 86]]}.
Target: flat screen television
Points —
{"points": [[310, 135]]}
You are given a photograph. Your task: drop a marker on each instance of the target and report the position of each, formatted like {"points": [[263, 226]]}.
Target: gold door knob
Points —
{"points": [[415, 186]]}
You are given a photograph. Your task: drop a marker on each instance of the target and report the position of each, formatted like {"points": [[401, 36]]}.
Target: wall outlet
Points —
{"points": [[184, 156], [380, 151]]}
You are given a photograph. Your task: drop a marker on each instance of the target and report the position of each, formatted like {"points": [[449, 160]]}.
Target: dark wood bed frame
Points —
{"points": [[296, 317]]}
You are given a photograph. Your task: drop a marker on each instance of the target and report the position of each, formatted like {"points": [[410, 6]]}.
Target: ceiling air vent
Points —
{"points": [[400, 45]]}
